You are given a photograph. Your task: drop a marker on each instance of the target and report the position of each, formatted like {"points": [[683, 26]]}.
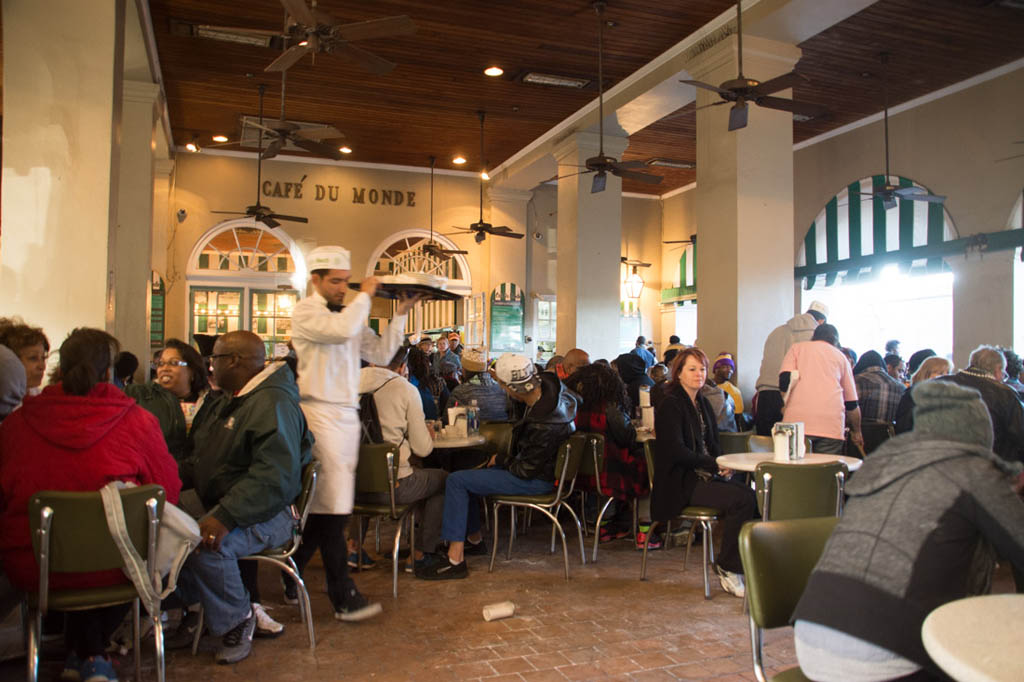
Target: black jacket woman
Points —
{"points": [[685, 472]]}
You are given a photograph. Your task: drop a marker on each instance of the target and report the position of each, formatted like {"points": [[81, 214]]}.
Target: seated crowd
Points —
{"points": [[228, 434]]}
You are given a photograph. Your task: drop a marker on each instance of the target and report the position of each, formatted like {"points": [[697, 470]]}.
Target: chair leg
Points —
{"points": [[689, 543], [597, 528], [512, 532], [552, 551], [158, 646], [579, 531], [136, 639], [706, 543], [394, 558], [376, 523], [711, 540], [359, 536], [647, 540], [199, 630], [583, 512], [561, 531], [305, 609], [35, 626], [494, 539]]}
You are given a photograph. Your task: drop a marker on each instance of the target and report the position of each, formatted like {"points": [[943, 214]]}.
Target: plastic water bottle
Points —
{"points": [[472, 418]]}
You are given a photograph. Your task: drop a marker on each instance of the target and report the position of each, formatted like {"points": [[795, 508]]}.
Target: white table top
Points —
{"points": [[977, 638], [460, 442], [748, 461]]}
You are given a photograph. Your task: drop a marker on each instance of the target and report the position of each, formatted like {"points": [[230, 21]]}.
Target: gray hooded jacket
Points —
{"points": [[798, 328]]}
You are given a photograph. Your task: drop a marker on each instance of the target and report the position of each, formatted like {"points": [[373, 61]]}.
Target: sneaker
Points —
{"points": [[184, 634], [731, 582], [417, 565], [475, 548], [291, 590], [353, 561], [652, 544], [97, 669], [357, 608], [236, 645], [72, 671], [610, 534], [445, 570], [266, 627]]}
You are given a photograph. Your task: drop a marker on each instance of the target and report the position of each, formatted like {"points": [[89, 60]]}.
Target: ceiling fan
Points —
{"points": [[432, 248], [889, 193], [481, 228], [319, 32], [691, 240], [742, 90], [259, 212], [602, 164]]}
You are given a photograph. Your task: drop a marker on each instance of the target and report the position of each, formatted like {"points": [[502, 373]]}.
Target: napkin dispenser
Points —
{"points": [[788, 441], [457, 421]]}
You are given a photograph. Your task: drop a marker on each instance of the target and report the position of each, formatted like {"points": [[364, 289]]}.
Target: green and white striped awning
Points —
{"points": [[852, 228], [687, 289]]}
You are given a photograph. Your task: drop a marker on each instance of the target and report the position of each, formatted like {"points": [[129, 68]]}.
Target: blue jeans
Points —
{"points": [[213, 578], [457, 521]]}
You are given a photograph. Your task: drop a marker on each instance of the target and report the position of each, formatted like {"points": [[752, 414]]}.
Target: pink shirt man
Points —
{"points": [[823, 385]]}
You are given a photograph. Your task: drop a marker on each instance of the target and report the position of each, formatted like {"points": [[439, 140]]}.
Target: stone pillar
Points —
{"points": [[983, 307], [508, 256], [744, 209], [589, 249], [61, 142], [164, 221], [134, 240]]}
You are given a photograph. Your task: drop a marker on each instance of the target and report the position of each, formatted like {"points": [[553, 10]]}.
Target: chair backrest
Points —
{"points": [[875, 433], [778, 557], [567, 464], [766, 444], [800, 491], [498, 436], [734, 442], [72, 528], [377, 470], [592, 463], [310, 475]]}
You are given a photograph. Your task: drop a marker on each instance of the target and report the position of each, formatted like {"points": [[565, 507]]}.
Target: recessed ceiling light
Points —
{"points": [[484, 175], [220, 138], [493, 71], [345, 150], [459, 160], [303, 43], [193, 146]]}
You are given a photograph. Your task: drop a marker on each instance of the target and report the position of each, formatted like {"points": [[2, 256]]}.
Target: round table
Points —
{"points": [[977, 638], [748, 461], [460, 441]]}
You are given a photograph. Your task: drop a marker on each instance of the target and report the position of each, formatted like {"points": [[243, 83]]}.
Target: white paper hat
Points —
{"points": [[329, 258]]}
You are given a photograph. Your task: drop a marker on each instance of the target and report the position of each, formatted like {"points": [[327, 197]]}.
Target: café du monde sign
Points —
{"points": [[333, 193]]}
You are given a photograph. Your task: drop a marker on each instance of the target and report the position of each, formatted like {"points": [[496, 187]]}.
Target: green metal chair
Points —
{"points": [[778, 557], [377, 473], [498, 436], [70, 535], [592, 464], [766, 444], [704, 517], [800, 491], [734, 442], [566, 466]]}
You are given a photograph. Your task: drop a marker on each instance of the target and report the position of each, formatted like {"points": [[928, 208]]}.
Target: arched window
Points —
{"points": [[244, 275]]}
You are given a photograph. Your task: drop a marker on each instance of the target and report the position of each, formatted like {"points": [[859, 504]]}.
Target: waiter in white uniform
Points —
{"points": [[329, 342]]}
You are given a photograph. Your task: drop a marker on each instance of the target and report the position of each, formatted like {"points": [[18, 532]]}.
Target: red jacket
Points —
{"points": [[67, 442]]}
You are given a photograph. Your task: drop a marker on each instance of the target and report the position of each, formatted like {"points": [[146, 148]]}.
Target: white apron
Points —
{"points": [[337, 430]]}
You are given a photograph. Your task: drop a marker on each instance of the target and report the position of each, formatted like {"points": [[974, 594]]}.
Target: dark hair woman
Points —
{"points": [[78, 434], [684, 464], [605, 410], [433, 391]]}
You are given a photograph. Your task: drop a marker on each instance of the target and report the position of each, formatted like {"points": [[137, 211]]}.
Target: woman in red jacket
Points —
{"points": [[78, 434]]}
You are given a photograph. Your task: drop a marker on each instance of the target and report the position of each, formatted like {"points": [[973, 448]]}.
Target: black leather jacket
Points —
{"points": [[543, 428]]}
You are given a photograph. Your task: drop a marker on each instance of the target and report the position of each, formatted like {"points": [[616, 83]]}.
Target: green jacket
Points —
{"points": [[249, 450], [165, 406]]}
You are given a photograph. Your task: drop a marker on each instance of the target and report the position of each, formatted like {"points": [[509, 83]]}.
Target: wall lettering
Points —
{"points": [[360, 195]]}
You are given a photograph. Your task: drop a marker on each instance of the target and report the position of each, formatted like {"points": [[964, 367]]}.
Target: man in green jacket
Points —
{"points": [[246, 468]]}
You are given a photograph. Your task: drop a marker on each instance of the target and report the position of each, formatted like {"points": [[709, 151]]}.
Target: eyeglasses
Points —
{"points": [[170, 363]]}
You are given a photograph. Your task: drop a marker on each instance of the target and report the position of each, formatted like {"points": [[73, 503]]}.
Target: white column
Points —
{"points": [[589, 249], [508, 256], [744, 209], [134, 240], [982, 303], [164, 221], [61, 138]]}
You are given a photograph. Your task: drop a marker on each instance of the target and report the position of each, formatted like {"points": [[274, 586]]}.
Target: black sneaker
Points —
{"points": [[291, 590], [445, 570], [357, 607], [236, 645], [183, 634], [475, 549]]}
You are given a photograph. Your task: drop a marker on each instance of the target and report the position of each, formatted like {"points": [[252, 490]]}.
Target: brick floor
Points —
{"points": [[603, 624]]}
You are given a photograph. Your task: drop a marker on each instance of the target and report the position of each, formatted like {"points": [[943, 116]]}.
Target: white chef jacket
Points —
{"points": [[329, 346]]}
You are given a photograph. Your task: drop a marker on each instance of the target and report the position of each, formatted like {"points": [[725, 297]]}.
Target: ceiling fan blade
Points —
{"points": [[713, 88], [686, 111], [454, 252], [783, 82], [317, 148], [640, 177], [463, 230], [930, 198], [261, 126], [599, 183], [292, 218], [288, 58], [328, 133], [365, 58], [738, 116], [638, 163], [268, 220], [572, 175], [782, 104], [513, 235], [1009, 158], [376, 28], [887, 202], [298, 11], [231, 212], [678, 241], [272, 149], [263, 33]]}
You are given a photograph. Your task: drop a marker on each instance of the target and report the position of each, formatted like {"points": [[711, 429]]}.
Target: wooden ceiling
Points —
{"points": [[427, 105]]}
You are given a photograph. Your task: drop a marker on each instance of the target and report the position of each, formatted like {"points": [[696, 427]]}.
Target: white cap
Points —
{"points": [[517, 372], [818, 307], [329, 258]]}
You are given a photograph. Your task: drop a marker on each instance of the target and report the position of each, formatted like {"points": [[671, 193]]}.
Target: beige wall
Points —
{"points": [[641, 240]]}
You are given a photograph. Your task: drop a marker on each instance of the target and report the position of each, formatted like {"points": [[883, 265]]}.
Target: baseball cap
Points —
{"points": [[517, 372], [818, 307], [474, 359]]}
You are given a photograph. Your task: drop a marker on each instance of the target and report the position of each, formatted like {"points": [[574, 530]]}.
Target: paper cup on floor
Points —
{"points": [[498, 611]]}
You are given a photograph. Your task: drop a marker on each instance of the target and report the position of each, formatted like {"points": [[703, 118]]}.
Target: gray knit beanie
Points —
{"points": [[944, 410]]}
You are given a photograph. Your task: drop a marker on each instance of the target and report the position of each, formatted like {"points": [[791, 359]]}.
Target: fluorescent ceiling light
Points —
{"points": [[671, 163], [556, 81], [229, 37]]}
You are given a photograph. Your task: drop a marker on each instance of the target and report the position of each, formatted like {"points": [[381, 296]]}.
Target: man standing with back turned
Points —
{"points": [[330, 339]]}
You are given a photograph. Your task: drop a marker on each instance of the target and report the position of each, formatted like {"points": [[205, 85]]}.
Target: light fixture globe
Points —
{"points": [[634, 284]]}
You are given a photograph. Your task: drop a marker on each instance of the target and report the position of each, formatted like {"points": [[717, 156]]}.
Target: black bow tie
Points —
{"points": [[334, 308]]}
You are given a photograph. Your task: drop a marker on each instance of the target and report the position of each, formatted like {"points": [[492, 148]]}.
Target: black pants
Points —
{"points": [[87, 632], [738, 504], [250, 571], [769, 411], [326, 532]]}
